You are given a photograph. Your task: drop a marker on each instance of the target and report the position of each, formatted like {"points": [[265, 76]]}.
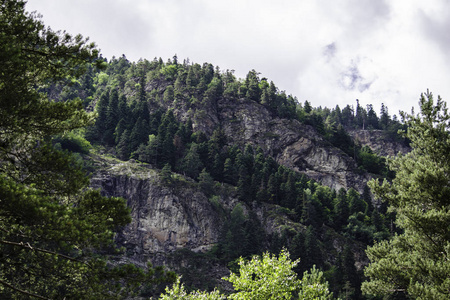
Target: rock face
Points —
{"points": [[163, 219], [377, 141], [170, 218], [290, 142]]}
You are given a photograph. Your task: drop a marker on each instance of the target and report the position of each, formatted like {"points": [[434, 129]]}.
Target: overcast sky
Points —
{"points": [[326, 51]]}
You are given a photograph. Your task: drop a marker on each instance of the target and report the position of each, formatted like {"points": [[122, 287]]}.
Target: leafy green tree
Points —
{"points": [[267, 277], [178, 292], [271, 277], [52, 227], [314, 286], [416, 262]]}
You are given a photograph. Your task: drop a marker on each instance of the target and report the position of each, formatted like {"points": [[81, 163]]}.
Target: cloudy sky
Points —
{"points": [[326, 51]]}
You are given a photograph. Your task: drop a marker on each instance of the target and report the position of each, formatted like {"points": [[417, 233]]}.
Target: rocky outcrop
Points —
{"points": [[379, 142], [163, 219], [291, 143]]}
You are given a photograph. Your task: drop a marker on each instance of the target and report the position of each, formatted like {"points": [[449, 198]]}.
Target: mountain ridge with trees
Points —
{"points": [[199, 168]]}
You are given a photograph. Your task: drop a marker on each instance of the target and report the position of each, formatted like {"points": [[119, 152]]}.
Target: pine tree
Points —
{"points": [[191, 163], [356, 204], [252, 84], [229, 171], [384, 117], [312, 255], [372, 118], [349, 274], [123, 145], [102, 115], [416, 262], [123, 111], [112, 115], [341, 210], [139, 134], [206, 183]]}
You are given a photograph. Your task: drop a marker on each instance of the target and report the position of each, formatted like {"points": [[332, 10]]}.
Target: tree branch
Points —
{"points": [[28, 246], [21, 291]]}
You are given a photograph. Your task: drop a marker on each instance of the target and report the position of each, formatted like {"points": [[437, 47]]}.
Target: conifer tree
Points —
{"points": [[416, 263], [341, 210], [111, 117], [123, 145], [384, 117], [102, 115], [206, 182], [123, 110], [191, 163]]}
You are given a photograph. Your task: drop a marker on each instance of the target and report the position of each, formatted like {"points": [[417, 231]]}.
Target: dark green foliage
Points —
{"points": [[53, 228], [234, 240], [102, 114], [341, 210], [415, 262], [166, 175], [312, 255], [73, 141], [206, 183], [139, 134], [349, 279], [123, 146]]}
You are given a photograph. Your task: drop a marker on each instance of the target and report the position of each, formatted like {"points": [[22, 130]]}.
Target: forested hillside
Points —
{"points": [[110, 170], [170, 115]]}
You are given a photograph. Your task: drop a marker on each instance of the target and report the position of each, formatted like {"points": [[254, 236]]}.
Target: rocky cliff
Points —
{"points": [[289, 142], [378, 141], [164, 219], [167, 218]]}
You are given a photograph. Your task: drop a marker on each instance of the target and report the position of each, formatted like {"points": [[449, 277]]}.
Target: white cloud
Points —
{"points": [[329, 52]]}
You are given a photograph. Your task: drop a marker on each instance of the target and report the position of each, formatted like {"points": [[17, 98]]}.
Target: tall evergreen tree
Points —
{"points": [[416, 262], [102, 116], [341, 210], [112, 115], [123, 110], [384, 117], [191, 163]]}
